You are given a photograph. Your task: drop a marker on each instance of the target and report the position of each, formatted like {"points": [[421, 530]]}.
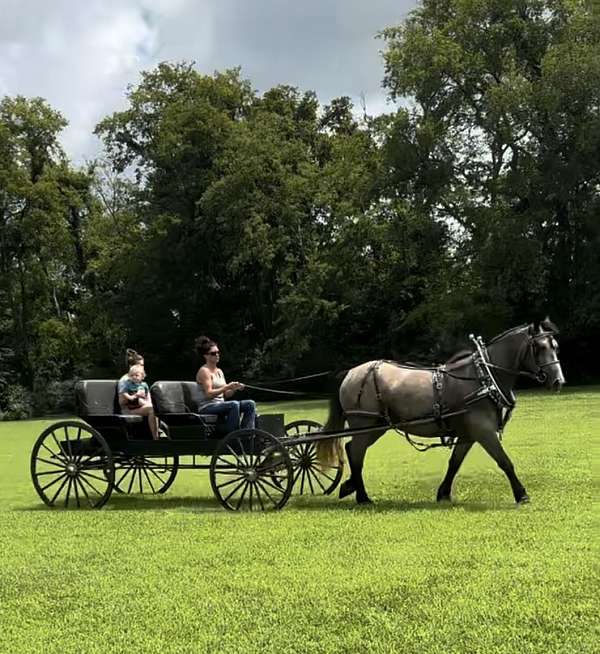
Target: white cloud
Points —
{"points": [[81, 56]]}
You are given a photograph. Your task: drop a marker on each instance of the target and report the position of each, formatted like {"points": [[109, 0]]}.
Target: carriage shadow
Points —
{"points": [[137, 503], [297, 504]]}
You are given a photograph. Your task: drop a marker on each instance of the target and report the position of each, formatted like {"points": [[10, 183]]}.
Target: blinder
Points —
{"points": [[534, 349]]}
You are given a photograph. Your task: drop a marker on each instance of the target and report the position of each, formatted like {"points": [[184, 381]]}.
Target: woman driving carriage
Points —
{"points": [[214, 390]]}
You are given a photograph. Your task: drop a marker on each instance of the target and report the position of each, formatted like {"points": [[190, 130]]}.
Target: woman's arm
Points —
{"points": [[204, 378]]}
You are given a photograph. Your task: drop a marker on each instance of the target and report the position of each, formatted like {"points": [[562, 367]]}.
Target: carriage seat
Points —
{"points": [[98, 403], [176, 404]]}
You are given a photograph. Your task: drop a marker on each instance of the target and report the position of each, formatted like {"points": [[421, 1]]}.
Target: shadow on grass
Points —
{"points": [[400, 506], [296, 503]]}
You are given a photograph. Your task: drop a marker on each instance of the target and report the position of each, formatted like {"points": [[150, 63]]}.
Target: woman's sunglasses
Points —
{"points": [[214, 354]]}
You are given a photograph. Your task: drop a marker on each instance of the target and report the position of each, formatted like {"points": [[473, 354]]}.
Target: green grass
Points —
{"points": [[177, 573]]}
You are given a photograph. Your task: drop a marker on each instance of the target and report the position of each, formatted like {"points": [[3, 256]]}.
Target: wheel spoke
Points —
{"points": [[312, 490], [89, 483], [66, 430], [52, 452], [160, 479], [127, 471], [55, 481], [76, 492], [60, 447], [302, 482], [78, 481], [244, 455], [149, 481], [237, 506], [50, 472], [236, 456], [51, 463], [266, 492], [258, 497], [231, 481], [87, 475], [68, 492], [316, 476], [235, 489], [59, 489], [268, 483]]}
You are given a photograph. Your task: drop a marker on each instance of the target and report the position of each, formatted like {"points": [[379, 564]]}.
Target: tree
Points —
{"points": [[503, 144], [42, 206]]}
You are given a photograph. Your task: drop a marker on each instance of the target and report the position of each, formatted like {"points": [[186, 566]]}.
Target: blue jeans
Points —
{"points": [[232, 409]]}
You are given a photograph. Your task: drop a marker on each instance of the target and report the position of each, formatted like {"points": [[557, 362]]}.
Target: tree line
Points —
{"points": [[304, 236]]}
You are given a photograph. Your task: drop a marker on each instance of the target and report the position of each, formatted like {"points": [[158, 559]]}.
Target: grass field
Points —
{"points": [[177, 573]]}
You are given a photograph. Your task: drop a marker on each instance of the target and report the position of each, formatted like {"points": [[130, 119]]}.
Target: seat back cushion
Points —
{"points": [[192, 395], [97, 397], [167, 397]]}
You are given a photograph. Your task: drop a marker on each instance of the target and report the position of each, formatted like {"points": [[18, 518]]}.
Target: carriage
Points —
{"points": [[466, 400], [80, 463]]}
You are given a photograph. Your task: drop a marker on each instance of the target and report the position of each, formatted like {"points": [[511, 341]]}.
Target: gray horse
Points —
{"points": [[468, 400]]}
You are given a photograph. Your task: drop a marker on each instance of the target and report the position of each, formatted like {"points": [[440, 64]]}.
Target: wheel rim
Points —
{"points": [[252, 471], [310, 476], [145, 476], [71, 466]]}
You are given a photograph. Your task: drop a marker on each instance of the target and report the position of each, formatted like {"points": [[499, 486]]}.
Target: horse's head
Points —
{"points": [[542, 355]]}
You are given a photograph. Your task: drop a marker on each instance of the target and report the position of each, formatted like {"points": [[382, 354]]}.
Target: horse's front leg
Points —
{"points": [[460, 451], [491, 444]]}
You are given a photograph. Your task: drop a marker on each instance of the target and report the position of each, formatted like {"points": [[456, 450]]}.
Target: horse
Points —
{"points": [[467, 400]]}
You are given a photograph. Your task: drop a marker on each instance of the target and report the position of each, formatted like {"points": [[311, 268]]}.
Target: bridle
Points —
{"points": [[529, 344]]}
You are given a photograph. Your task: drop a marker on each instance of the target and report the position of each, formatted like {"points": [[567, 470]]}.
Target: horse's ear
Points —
{"points": [[532, 329], [548, 326]]}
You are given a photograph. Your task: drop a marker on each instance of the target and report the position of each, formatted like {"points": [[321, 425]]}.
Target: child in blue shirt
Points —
{"points": [[134, 396]]}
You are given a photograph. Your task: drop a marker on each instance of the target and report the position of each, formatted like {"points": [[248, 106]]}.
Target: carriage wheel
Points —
{"points": [[72, 465], [251, 469], [146, 476], [309, 475]]}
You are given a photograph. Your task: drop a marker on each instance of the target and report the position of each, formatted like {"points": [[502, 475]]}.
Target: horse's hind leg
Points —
{"points": [[356, 450], [347, 488], [491, 444], [461, 449]]}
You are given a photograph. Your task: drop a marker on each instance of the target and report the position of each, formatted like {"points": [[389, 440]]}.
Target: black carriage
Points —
{"points": [[79, 463]]}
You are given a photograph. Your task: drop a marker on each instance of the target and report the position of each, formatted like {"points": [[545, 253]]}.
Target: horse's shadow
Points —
{"points": [[398, 506]]}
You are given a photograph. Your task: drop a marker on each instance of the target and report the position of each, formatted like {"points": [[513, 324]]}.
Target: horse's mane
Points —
{"points": [[509, 332], [462, 354]]}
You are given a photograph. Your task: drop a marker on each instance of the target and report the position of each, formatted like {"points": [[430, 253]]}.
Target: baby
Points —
{"points": [[135, 390]]}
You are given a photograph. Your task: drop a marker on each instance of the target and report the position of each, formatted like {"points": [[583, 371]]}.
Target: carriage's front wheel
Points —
{"points": [[310, 476], [72, 466], [251, 469]]}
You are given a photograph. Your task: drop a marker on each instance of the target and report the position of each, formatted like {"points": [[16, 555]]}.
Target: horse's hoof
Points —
{"points": [[524, 500], [364, 500], [346, 489], [444, 499]]}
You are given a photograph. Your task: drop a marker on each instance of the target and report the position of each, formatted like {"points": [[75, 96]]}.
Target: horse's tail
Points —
{"points": [[330, 451]]}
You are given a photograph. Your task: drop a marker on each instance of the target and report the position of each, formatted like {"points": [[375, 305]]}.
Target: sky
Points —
{"points": [[81, 55]]}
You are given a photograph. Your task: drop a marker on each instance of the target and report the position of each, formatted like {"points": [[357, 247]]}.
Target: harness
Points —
{"points": [[489, 388]]}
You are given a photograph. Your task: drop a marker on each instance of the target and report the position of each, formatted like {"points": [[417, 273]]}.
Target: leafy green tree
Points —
{"points": [[42, 205], [502, 141]]}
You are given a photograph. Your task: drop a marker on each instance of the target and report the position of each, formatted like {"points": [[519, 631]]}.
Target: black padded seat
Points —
{"points": [[98, 399], [174, 404]]}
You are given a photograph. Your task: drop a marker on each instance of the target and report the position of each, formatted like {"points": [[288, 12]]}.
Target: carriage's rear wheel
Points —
{"points": [[251, 470], [309, 475], [72, 466], [146, 476]]}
